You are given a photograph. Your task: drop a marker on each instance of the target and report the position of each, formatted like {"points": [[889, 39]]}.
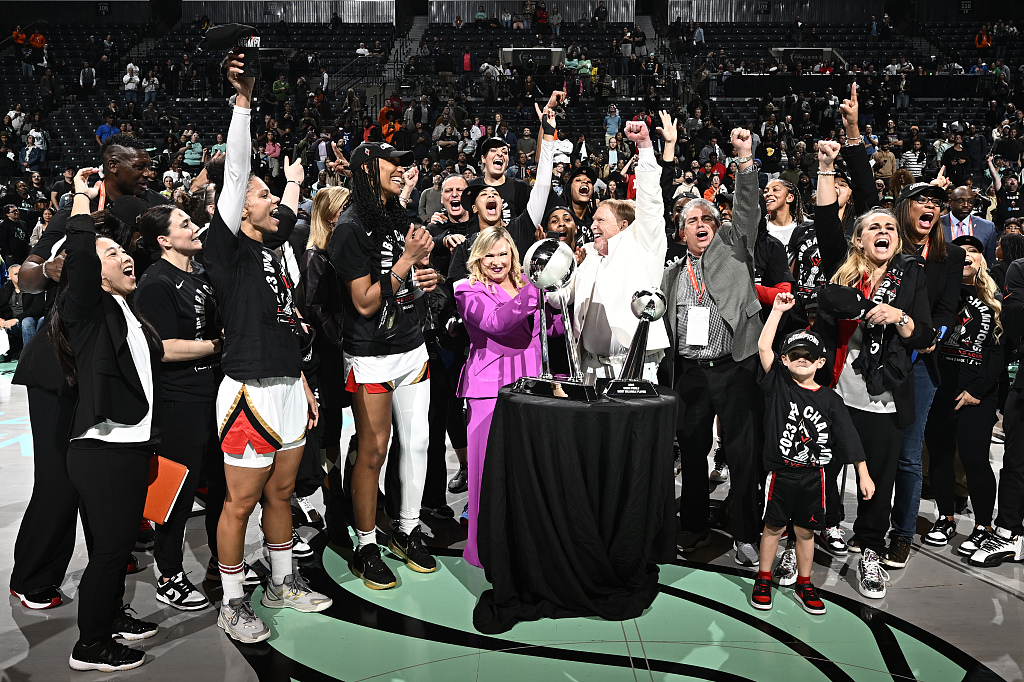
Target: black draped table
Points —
{"points": [[577, 506]]}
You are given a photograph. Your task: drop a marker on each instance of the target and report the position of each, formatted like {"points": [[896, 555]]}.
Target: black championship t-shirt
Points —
{"points": [[515, 195], [971, 354], [255, 300], [804, 427], [354, 254], [808, 272], [1008, 206], [180, 305]]}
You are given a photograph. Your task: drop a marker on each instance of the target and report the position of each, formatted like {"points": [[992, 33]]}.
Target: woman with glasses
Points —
{"points": [[917, 210], [873, 335]]}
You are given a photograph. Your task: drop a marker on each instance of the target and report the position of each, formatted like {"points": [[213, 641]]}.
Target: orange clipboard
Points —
{"points": [[166, 479]]}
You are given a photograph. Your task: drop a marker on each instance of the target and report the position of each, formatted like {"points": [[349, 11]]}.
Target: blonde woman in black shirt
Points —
{"points": [[964, 409]]}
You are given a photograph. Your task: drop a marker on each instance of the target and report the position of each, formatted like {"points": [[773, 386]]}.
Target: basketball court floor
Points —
{"points": [[942, 620]]}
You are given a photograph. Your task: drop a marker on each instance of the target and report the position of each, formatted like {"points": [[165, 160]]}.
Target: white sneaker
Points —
{"points": [[746, 554], [832, 539], [720, 474], [871, 576], [785, 571], [1000, 546], [294, 593], [307, 512]]}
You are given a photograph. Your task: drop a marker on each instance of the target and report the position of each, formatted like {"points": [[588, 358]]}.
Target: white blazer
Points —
{"points": [[635, 261]]}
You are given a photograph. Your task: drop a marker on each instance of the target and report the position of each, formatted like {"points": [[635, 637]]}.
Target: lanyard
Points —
{"points": [[103, 195], [693, 281]]}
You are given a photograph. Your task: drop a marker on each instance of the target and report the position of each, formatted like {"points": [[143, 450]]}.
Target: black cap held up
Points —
{"points": [[380, 150], [245, 39]]}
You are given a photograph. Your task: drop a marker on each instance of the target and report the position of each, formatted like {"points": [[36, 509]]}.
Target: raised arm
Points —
{"points": [[832, 243], [649, 224], [546, 155], [765, 351], [238, 157], [996, 182], [747, 209], [82, 267]]}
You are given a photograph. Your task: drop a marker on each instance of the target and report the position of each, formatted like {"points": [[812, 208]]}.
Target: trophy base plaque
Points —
{"points": [[555, 388], [628, 388]]}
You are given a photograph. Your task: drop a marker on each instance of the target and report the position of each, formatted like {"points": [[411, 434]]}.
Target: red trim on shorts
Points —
{"points": [[351, 386], [822, 471], [242, 433], [771, 486]]}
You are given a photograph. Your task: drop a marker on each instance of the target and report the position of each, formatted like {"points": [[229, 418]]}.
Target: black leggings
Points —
{"points": [[882, 439], [112, 482], [185, 434], [1011, 476], [970, 430]]}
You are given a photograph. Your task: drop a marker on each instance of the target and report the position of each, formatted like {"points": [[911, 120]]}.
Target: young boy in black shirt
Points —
{"points": [[805, 426]]}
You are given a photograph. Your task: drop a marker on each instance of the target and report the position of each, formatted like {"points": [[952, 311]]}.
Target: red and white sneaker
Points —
{"points": [[43, 598]]}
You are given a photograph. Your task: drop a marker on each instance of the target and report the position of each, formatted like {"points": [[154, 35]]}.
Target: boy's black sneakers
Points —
{"points": [[127, 626], [108, 656]]}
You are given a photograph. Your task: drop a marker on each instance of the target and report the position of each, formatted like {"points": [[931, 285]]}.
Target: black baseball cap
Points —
{"points": [[246, 39], [491, 143], [839, 302], [806, 339], [471, 192], [916, 189], [380, 150], [965, 239], [589, 171]]}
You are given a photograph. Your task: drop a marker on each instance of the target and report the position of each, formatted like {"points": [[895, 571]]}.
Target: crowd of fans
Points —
{"points": [[810, 179]]}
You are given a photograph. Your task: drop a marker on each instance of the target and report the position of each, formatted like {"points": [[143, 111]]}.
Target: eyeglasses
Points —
{"points": [[927, 201]]}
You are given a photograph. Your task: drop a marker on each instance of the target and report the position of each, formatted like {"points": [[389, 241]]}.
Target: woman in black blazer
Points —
{"points": [[110, 353]]}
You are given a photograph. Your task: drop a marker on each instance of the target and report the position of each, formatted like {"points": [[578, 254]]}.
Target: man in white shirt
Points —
{"points": [[627, 256]]}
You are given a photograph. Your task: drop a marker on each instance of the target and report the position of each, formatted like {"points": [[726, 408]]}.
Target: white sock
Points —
{"points": [[366, 537], [408, 525], [231, 581], [280, 561]]}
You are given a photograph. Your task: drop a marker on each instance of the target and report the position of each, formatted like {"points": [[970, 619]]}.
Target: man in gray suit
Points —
{"points": [[959, 222], [714, 323]]}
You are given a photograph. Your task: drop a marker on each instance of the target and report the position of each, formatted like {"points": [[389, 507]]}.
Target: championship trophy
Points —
{"points": [[549, 265], [648, 305]]}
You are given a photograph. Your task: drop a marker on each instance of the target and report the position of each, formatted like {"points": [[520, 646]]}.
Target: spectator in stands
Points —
{"points": [[62, 186], [517, 20], [106, 130], [885, 160], [481, 16], [1009, 202], [980, 68], [983, 40], [527, 144], [31, 156], [555, 21], [540, 18], [150, 86], [131, 84], [914, 159], [506, 18]]}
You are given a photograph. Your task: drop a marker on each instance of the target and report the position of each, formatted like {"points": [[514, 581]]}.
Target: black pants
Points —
{"points": [[833, 495], [970, 430], [1011, 476], [731, 392], [446, 416], [216, 487], [46, 539], [112, 483], [882, 439], [185, 433]]}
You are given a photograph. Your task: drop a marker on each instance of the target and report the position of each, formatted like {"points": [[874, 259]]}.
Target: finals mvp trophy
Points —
{"points": [[549, 265], [649, 305]]}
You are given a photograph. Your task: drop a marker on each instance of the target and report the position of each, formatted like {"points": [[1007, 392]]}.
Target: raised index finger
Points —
{"points": [[853, 92]]}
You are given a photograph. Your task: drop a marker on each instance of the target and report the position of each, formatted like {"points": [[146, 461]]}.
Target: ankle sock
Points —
{"points": [[280, 561], [764, 575], [366, 537], [803, 580], [231, 581], [408, 525]]}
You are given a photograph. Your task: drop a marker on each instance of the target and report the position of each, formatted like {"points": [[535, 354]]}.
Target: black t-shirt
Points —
{"points": [[515, 195], [804, 427], [180, 305], [971, 356], [354, 255], [1008, 206], [810, 276], [61, 187], [261, 332]]}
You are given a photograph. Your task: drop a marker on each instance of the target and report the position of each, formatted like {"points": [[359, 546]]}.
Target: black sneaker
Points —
{"points": [[974, 541], [367, 565], [689, 540], [179, 592], [761, 597], [127, 626], [133, 566], [810, 600], [213, 570], [460, 481], [441, 511], [410, 548], [853, 545], [305, 513], [898, 553], [108, 656], [43, 598], [941, 533]]}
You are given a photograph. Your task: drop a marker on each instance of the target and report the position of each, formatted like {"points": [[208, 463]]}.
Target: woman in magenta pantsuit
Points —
{"points": [[502, 313]]}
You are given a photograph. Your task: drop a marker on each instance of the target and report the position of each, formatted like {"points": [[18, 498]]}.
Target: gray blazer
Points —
{"points": [[728, 274]]}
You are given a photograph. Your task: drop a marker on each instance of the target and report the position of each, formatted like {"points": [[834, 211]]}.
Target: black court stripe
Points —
{"points": [[976, 670], [825, 665], [351, 608]]}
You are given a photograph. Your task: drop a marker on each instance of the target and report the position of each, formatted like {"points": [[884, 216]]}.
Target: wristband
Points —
{"points": [[826, 172], [744, 159], [547, 128], [84, 194], [295, 181], [856, 143], [400, 280]]}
